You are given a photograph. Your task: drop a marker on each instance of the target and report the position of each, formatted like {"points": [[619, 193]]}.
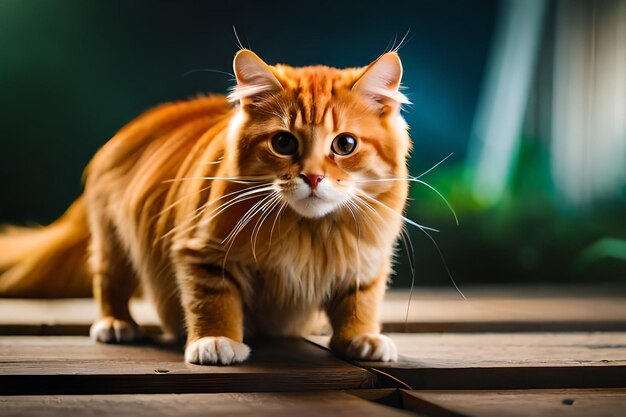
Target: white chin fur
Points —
{"points": [[312, 207], [328, 199]]}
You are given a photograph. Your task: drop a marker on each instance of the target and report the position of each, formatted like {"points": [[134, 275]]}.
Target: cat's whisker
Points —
{"points": [[280, 210], [406, 219], [404, 230], [223, 208], [456, 218], [244, 195], [249, 195], [402, 42], [247, 217], [347, 204], [410, 252], [391, 44], [413, 179], [246, 192], [369, 206], [257, 228], [200, 211], [243, 180], [264, 211], [445, 264], [177, 229], [376, 228], [237, 229], [358, 254], [406, 238], [193, 71], [424, 230], [382, 180], [239, 44], [202, 190], [434, 166], [243, 192], [240, 226], [180, 200]]}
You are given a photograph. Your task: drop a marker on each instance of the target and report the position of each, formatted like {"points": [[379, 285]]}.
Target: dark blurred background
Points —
{"points": [[528, 96]]}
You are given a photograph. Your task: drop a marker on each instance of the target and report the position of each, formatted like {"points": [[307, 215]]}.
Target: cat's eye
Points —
{"points": [[343, 144], [284, 143]]}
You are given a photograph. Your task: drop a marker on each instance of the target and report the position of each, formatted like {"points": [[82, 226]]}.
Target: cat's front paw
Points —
{"points": [[372, 347], [111, 330], [219, 350]]}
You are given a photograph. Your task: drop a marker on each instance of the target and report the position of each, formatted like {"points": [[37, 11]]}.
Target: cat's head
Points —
{"points": [[326, 138]]}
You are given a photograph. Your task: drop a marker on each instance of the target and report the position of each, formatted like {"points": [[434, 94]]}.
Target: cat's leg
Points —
{"points": [[354, 317], [113, 284], [213, 314], [161, 288]]}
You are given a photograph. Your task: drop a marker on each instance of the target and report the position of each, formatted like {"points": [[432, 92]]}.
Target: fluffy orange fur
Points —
{"points": [[226, 232]]}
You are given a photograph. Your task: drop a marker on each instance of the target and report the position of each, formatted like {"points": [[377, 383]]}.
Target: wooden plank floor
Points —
{"points": [[509, 309], [303, 404], [77, 365], [506, 360], [538, 403], [487, 309], [507, 351]]}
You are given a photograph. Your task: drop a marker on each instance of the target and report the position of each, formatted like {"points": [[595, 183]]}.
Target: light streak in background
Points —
{"points": [[588, 146], [587, 122], [494, 140]]}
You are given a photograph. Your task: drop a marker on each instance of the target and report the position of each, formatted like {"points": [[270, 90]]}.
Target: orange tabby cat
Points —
{"points": [[260, 209]]}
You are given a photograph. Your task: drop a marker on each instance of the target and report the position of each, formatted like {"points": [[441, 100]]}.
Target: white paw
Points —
{"points": [[372, 347], [219, 350], [110, 330]]}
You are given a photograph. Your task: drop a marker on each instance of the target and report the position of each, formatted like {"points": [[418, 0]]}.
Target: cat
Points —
{"points": [[260, 210]]}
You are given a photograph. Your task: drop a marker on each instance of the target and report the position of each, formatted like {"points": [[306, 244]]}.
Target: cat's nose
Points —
{"points": [[312, 179]]}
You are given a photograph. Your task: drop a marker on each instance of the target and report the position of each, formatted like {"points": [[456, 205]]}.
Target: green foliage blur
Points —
{"points": [[528, 237]]}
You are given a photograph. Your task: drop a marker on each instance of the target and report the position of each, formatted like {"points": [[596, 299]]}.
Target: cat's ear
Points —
{"points": [[254, 77], [381, 81]]}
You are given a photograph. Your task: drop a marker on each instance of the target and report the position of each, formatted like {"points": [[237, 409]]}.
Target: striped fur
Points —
{"points": [[167, 199]]}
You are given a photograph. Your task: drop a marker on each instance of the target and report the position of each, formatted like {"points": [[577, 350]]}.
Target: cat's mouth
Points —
{"points": [[313, 202], [312, 206]]}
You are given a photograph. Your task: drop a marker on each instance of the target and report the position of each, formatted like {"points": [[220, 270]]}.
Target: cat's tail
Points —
{"points": [[47, 262]]}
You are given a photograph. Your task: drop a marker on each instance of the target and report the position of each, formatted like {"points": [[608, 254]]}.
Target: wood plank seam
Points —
{"points": [[381, 378]]}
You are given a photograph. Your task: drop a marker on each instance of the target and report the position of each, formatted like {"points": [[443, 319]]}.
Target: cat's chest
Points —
{"points": [[308, 266]]}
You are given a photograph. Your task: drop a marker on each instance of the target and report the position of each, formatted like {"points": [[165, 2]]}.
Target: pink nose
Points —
{"points": [[312, 179]]}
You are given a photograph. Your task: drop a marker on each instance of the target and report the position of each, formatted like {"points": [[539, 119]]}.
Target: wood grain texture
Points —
{"points": [[506, 309], [514, 403], [387, 396], [302, 404], [488, 309], [503, 361], [76, 365], [63, 317]]}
